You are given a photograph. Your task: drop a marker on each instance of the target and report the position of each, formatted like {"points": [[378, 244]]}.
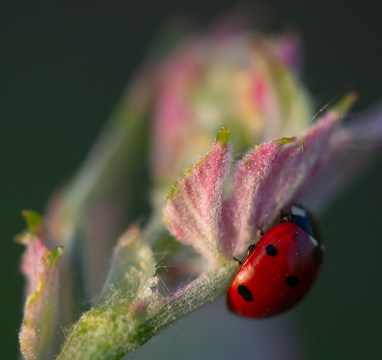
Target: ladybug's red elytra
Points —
{"points": [[280, 269]]}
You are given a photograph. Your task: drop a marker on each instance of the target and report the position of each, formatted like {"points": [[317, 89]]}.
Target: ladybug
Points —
{"points": [[280, 269]]}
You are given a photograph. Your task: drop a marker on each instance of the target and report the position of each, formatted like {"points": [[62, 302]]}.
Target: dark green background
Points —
{"points": [[63, 66]]}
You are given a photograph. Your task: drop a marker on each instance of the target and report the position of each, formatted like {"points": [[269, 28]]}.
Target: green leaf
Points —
{"points": [[34, 220], [128, 298], [108, 172], [132, 265], [223, 136], [53, 256], [346, 103], [286, 140]]}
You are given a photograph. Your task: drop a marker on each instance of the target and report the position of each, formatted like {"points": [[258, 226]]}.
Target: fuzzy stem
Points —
{"points": [[110, 334]]}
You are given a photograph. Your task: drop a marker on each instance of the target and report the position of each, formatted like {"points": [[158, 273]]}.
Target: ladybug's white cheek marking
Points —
{"points": [[313, 240], [297, 211]]}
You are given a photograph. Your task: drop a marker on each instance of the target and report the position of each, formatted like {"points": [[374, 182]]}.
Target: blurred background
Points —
{"points": [[63, 67]]}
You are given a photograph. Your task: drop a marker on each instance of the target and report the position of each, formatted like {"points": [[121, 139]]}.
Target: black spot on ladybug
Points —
{"points": [[271, 250], [292, 281], [318, 254], [245, 293]]}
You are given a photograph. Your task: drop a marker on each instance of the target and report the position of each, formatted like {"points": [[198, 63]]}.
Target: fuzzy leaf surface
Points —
{"points": [[266, 180], [39, 266], [193, 207]]}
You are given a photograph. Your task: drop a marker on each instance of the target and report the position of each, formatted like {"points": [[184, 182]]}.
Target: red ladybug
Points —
{"points": [[280, 269]]}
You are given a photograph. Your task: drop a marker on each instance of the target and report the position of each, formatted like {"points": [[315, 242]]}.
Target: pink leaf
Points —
{"points": [[267, 179], [193, 207], [39, 266], [349, 151]]}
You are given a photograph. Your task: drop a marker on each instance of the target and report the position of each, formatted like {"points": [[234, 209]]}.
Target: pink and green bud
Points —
{"points": [[245, 81], [39, 266]]}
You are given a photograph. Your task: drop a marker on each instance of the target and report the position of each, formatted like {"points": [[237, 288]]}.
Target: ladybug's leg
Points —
{"points": [[260, 232], [250, 248], [284, 216], [240, 262]]}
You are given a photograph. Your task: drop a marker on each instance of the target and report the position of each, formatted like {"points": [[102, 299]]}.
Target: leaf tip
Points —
{"points": [[33, 219], [347, 102], [175, 187], [223, 136], [54, 254], [171, 193], [286, 140]]}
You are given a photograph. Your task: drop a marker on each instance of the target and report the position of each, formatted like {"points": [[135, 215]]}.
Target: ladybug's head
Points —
{"points": [[302, 218]]}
